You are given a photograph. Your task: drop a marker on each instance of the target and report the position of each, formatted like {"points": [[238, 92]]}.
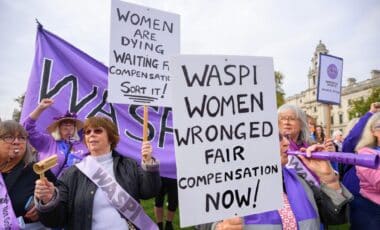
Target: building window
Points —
{"points": [[340, 118], [315, 109], [332, 120]]}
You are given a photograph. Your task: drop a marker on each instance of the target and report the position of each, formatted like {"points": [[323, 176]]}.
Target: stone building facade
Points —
{"points": [[353, 90]]}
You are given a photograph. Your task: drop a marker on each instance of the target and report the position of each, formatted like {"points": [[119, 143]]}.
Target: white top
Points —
{"points": [[104, 215]]}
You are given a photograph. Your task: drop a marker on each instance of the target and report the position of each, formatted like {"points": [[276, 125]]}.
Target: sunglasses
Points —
{"points": [[96, 131]]}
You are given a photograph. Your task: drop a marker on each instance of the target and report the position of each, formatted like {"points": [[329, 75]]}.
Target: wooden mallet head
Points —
{"points": [[42, 166]]}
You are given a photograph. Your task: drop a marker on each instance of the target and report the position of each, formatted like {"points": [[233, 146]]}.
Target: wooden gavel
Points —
{"points": [[42, 166]]}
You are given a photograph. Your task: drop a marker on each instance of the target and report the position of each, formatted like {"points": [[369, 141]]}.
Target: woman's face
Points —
{"points": [[289, 124], [284, 146], [376, 131], [97, 141], [66, 129], [319, 130], [12, 146]]}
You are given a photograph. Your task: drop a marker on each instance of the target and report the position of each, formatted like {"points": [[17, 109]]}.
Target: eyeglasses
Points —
{"points": [[287, 118], [96, 131], [10, 139]]}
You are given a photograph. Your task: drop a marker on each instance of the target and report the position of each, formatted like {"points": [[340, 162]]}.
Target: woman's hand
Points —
{"points": [[235, 223], [146, 152], [322, 168], [45, 103], [44, 190], [32, 214], [329, 145], [375, 107]]}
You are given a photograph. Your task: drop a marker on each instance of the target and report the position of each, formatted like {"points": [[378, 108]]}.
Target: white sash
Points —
{"points": [[116, 195], [8, 218]]}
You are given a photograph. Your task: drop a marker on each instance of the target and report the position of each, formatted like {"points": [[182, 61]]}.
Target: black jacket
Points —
{"points": [[20, 183], [76, 193]]}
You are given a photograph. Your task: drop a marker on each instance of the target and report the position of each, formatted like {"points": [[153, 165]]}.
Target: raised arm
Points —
{"points": [[40, 141]]}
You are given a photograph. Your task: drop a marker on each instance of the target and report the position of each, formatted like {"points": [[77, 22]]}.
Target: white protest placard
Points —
{"points": [[142, 40], [330, 79], [227, 142]]}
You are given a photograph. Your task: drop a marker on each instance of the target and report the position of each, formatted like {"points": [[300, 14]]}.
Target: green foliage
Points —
{"points": [[280, 95], [17, 112], [361, 106], [148, 206]]}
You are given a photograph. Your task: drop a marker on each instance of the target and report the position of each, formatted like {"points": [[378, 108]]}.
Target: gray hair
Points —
{"points": [[336, 133], [12, 127], [367, 139], [304, 135]]}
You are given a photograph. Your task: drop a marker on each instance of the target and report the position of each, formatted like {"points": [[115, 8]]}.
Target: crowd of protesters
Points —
{"points": [[316, 195]]}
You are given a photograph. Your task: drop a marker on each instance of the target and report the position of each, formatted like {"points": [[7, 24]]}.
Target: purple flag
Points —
{"points": [[78, 83]]}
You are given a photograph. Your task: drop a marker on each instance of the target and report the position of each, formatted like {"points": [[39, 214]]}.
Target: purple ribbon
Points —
{"points": [[8, 218], [298, 200], [369, 161]]}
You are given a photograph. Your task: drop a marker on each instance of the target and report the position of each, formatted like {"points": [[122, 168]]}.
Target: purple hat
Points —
{"points": [[67, 117]]}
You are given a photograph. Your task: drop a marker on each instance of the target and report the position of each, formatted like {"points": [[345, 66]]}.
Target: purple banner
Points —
{"points": [[369, 161], [78, 83]]}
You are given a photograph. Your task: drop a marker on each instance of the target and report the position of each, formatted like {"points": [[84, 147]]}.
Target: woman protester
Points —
{"points": [[17, 179], [64, 140], [367, 202], [103, 190], [293, 123], [350, 178], [305, 205], [320, 134]]}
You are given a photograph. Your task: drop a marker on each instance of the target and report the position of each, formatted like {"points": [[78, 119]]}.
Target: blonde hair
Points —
{"points": [[367, 139], [55, 134]]}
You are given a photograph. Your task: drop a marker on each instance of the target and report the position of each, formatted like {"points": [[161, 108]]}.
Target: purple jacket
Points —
{"points": [[350, 179], [47, 146]]}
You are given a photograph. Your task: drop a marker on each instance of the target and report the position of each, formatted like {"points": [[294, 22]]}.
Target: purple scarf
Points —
{"points": [[298, 200], [8, 218], [301, 169]]}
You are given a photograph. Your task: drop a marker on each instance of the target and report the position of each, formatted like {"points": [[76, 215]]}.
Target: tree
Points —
{"points": [[361, 106], [17, 112], [279, 78]]}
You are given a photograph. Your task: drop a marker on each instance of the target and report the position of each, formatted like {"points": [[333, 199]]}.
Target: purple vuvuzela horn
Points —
{"points": [[369, 161]]}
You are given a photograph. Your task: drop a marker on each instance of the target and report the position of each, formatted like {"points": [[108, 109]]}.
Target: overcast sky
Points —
{"points": [[287, 30]]}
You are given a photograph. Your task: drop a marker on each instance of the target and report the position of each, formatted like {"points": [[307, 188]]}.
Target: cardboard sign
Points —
{"points": [[142, 39], [226, 131], [330, 79]]}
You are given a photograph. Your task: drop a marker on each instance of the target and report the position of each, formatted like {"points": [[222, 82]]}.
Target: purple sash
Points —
{"points": [[8, 218], [301, 169], [118, 198], [298, 200]]}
